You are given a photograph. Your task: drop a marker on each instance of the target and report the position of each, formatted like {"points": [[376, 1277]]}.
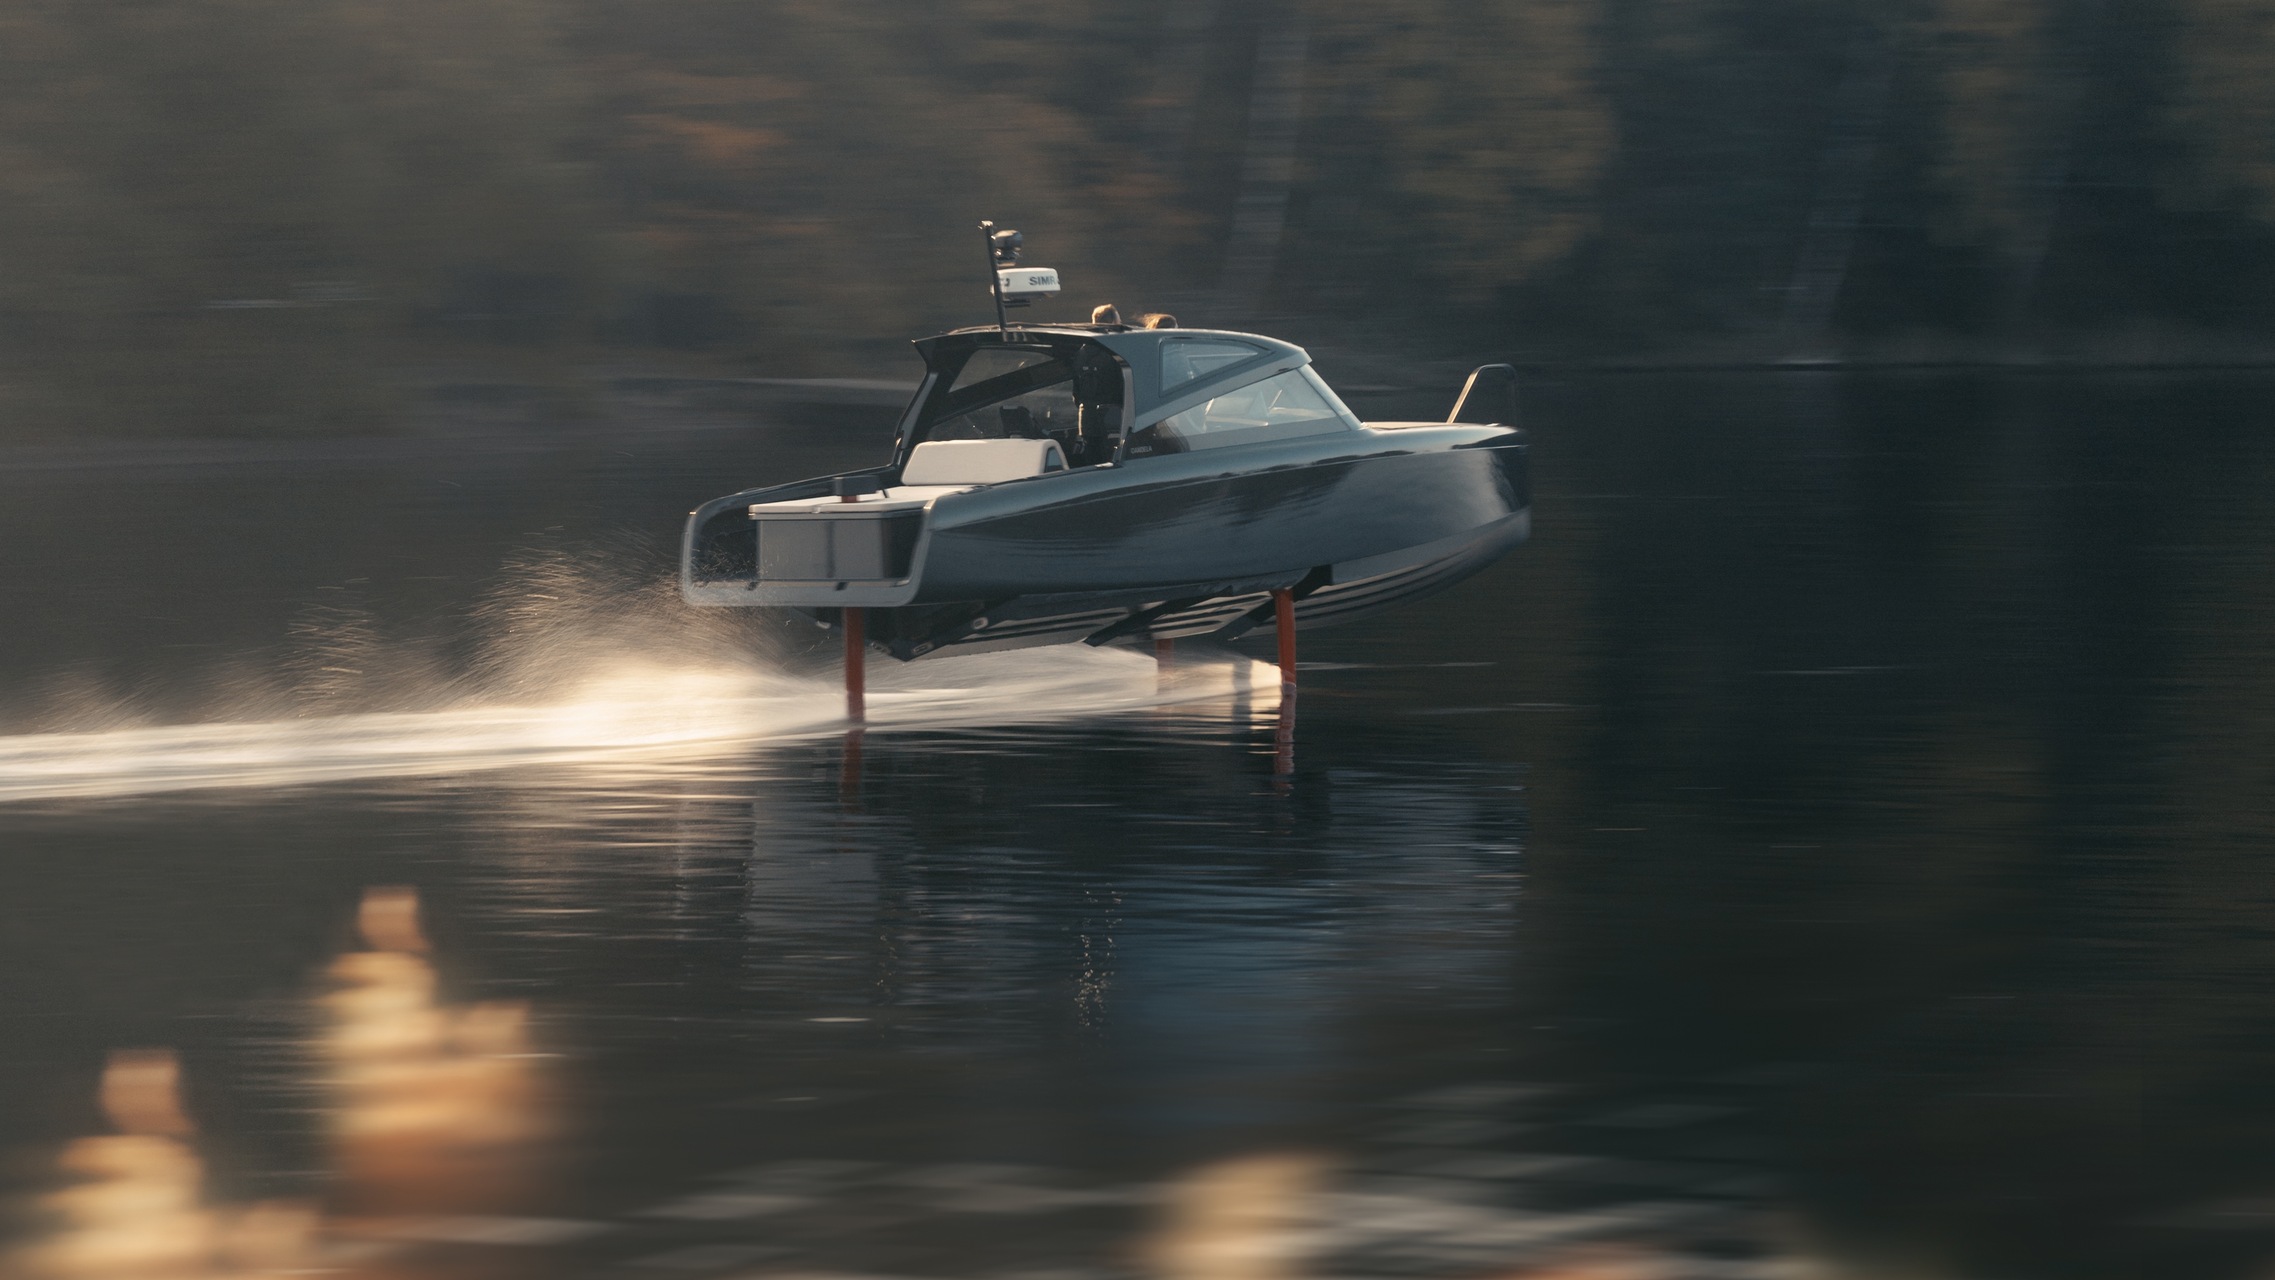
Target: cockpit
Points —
{"points": [[1116, 396], [1073, 398]]}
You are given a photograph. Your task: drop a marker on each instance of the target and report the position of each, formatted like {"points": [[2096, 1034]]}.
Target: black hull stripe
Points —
{"points": [[1338, 603]]}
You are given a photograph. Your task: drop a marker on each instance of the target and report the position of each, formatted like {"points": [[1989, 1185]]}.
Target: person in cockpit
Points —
{"points": [[1098, 408]]}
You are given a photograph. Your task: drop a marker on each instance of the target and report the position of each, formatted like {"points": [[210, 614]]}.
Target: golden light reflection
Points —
{"points": [[1238, 1220], [440, 1120], [1266, 1217], [435, 1106], [434, 1112], [141, 1092], [1605, 1263], [138, 1211]]}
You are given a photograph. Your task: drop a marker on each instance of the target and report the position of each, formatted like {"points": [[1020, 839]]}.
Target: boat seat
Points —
{"points": [[945, 462]]}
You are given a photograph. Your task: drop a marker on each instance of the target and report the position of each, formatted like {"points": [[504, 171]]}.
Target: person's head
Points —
{"points": [[1158, 320], [1105, 313]]}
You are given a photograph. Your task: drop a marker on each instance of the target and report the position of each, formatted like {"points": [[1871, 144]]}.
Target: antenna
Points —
{"points": [[1011, 284], [995, 259]]}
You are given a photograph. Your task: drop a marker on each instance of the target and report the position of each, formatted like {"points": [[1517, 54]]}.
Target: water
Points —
{"points": [[634, 712], [1835, 845]]}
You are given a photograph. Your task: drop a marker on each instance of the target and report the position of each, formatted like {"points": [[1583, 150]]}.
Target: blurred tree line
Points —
{"points": [[280, 214]]}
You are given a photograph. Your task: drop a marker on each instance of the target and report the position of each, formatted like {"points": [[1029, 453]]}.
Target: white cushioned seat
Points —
{"points": [[980, 461]]}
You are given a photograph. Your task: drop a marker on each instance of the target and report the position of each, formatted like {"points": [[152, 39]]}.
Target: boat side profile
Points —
{"points": [[1017, 509], [1115, 485]]}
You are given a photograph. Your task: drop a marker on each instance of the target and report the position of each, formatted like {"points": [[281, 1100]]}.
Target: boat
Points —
{"points": [[1108, 484]]}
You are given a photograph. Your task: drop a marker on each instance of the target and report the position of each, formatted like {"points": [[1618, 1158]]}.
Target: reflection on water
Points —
{"points": [[434, 1109], [440, 1146], [139, 1211], [433, 1113], [1238, 1220]]}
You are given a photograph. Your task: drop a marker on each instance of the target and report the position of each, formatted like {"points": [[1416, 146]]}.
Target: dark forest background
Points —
{"points": [[292, 215]]}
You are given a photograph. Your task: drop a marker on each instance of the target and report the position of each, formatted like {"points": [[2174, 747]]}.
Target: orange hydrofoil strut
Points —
{"points": [[855, 677], [1283, 619]]}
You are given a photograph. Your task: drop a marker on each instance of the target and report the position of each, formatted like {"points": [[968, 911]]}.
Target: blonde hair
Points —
{"points": [[1158, 320], [1105, 314]]}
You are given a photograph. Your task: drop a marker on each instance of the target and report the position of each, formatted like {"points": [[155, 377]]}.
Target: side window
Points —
{"points": [[1282, 407], [1184, 360]]}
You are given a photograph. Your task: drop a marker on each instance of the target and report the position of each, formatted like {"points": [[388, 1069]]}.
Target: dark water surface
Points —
{"points": [[1837, 844]]}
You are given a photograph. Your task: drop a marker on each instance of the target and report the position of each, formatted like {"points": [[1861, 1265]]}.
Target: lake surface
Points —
{"points": [[1838, 843]]}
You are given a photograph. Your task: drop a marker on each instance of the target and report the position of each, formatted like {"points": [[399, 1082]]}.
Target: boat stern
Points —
{"points": [[771, 548]]}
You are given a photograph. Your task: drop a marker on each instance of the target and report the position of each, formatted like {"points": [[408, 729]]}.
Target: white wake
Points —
{"points": [[632, 714]]}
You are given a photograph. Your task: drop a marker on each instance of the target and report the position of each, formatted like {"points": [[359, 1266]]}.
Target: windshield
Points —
{"points": [[1281, 407]]}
